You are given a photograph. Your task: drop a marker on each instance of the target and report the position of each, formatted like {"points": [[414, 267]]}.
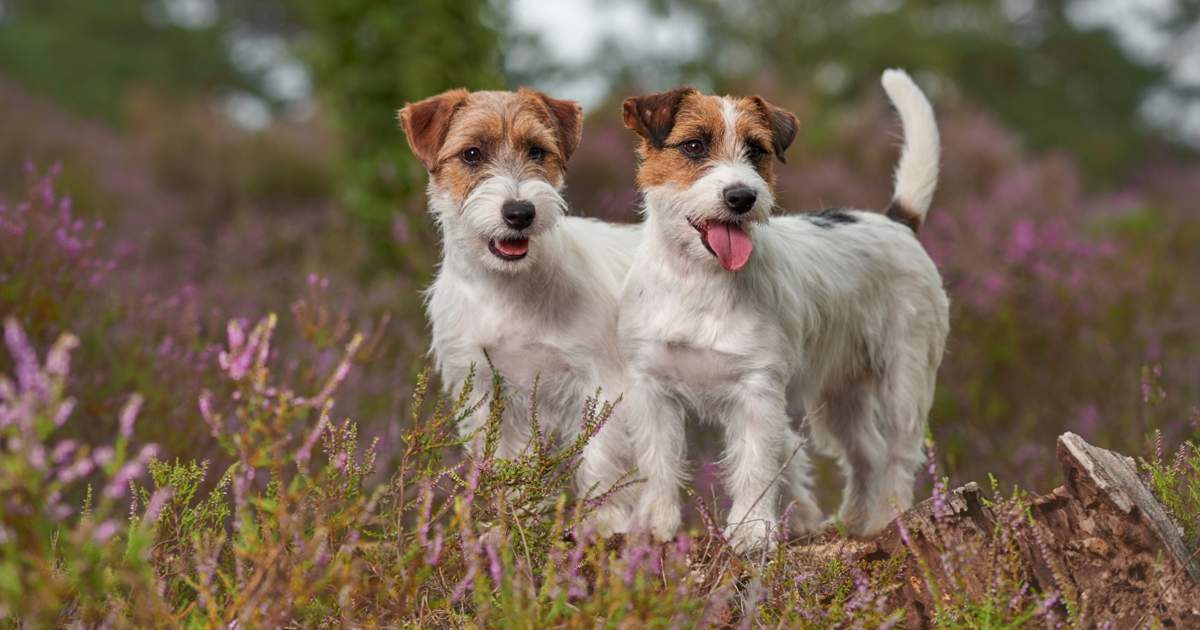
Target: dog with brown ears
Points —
{"points": [[751, 321], [522, 288]]}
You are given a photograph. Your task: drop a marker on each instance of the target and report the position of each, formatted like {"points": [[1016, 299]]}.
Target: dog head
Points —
{"points": [[497, 164], [707, 168]]}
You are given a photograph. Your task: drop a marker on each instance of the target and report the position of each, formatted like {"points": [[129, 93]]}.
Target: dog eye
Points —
{"points": [[472, 156], [755, 152], [694, 148], [537, 154]]}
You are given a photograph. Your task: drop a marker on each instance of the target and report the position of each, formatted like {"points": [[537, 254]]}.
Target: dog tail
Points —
{"points": [[917, 172]]}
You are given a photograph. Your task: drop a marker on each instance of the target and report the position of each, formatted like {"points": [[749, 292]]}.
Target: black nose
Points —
{"points": [[517, 214], [740, 198]]}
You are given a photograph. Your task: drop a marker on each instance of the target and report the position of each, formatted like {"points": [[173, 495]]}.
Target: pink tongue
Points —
{"points": [[513, 247], [730, 242]]}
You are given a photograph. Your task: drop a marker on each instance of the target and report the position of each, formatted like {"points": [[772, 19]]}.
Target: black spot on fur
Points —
{"points": [[902, 215], [831, 218]]}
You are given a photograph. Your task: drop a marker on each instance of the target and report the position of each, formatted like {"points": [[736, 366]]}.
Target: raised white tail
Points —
{"points": [[917, 173]]}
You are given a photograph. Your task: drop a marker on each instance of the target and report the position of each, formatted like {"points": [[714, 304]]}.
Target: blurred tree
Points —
{"points": [[88, 54], [371, 57], [1058, 84]]}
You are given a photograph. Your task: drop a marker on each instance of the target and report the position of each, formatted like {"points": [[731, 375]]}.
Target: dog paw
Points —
{"points": [[751, 535], [863, 526], [806, 518], [661, 518], [607, 520]]}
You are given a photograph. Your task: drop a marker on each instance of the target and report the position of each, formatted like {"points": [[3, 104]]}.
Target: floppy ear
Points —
{"points": [[568, 121], [426, 123], [783, 125], [652, 116]]}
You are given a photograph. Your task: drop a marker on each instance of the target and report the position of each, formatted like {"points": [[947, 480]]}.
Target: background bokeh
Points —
{"points": [[167, 165]]}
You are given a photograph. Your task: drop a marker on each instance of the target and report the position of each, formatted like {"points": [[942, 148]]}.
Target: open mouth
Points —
{"points": [[728, 242], [509, 248]]}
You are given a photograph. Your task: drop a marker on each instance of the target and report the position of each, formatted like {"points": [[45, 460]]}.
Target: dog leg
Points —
{"points": [[878, 458], [601, 468], [659, 440], [513, 433], [805, 513], [756, 436]]}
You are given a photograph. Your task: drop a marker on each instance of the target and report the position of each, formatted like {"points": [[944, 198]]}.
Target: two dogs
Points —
{"points": [[710, 309]]}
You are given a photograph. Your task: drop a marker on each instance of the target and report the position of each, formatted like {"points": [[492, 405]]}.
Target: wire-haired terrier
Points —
{"points": [[522, 288], [745, 320]]}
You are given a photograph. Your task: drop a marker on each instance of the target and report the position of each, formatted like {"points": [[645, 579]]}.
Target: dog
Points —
{"points": [[522, 288], [743, 319]]}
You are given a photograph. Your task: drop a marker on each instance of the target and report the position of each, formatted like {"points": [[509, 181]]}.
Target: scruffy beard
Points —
{"points": [[474, 229], [681, 214]]}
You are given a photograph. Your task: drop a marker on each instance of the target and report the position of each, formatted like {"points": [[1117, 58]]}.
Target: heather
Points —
{"points": [[293, 532]]}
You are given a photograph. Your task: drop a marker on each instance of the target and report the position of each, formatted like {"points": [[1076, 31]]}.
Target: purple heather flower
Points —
{"points": [[81, 468], [103, 455], [131, 470], [62, 451], [129, 414], [495, 568], [64, 411], [157, 501], [58, 360], [68, 243], [206, 412], [24, 358], [305, 452], [104, 531]]}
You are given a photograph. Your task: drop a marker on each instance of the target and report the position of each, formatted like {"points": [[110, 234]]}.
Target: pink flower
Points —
{"points": [[129, 414], [105, 531], [155, 506]]}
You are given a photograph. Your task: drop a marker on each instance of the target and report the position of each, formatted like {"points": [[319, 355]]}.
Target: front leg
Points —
{"points": [[756, 438], [656, 434], [514, 431], [604, 464]]}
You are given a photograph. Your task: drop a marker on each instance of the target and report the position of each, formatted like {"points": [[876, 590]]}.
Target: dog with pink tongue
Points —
{"points": [[750, 322]]}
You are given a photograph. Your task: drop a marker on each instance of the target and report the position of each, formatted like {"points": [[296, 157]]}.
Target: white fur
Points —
{"points": [[844, 323], [550, 317], [917, 170]]}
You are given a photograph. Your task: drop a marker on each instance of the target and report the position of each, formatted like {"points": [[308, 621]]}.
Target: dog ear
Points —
{"points": [[426, 122], [567, 117], [783, 125], [652, 116]]}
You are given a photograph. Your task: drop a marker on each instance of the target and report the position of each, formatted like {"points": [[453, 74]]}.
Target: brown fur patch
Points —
{"points": [[702, 117], [782, 123], [697, 117], [503, 126], [903, 215], [567, 118], [425, 123], [653, 115], [754, 128]]}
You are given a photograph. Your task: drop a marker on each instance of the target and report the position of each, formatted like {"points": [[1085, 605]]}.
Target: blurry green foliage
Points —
{"points": [[88, 54], [1060, 86], [370, 58]]}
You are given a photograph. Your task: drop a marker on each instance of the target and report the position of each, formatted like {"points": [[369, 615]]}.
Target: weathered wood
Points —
{"points": [[1115, 475]]}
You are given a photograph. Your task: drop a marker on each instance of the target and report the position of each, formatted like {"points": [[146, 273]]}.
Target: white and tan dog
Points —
{"points": [[521, 286], [743, 319]]}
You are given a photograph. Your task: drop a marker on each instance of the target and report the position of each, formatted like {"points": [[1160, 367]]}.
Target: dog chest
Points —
{"points": [[523, 363], [695, 367]]}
